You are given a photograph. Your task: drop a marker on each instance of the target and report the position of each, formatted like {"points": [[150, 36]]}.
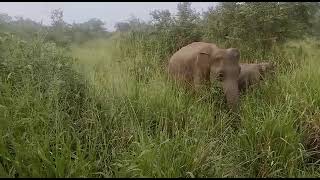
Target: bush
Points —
{"points": [[39, 91]]}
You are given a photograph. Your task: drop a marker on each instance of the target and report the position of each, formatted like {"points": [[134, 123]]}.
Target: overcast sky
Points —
{"points": [[109, 12]]}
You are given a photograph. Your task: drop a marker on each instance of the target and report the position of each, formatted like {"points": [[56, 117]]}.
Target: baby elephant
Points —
{"points": [[251, 74]]}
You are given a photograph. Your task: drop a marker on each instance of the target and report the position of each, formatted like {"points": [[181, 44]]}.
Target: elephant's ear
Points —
{"points": [[206, 51], [262, 68], [203, 60], [266, 68]]}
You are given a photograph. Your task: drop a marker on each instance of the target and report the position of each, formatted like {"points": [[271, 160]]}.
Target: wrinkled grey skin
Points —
{"points": [[253, 73], [199, 62]]}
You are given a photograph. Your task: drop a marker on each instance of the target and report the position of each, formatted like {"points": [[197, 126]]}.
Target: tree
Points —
{"points": [[122, 26], [258, 24], [59, 31], [57, 18], [161, 18], [95, 25], [185, 13], [5, 18], [187, 24], [316, 25]]}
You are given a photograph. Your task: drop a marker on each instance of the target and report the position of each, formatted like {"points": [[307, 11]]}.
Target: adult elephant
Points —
{"points": [[199, 62]]}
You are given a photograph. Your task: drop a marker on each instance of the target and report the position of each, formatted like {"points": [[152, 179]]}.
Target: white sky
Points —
{"points": [[109, 12]]}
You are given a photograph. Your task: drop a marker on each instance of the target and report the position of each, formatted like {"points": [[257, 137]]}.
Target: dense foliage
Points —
{"points": [[103, 107]]}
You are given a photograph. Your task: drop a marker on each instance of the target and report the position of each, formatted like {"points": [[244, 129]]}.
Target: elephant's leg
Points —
{"points": [[200, 80], [242, 85], [197, 83], [197, 86]]}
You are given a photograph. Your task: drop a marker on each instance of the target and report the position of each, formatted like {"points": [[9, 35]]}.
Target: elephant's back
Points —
{"points": [[180, 68], [190, 51], [196, 47], [249, 72], [249, 67], [181, 63]]}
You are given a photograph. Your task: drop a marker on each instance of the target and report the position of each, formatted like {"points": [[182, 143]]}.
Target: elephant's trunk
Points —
{"points": [[231, 91]]}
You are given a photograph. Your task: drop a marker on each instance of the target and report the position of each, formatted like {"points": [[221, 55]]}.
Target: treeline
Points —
{"points": [[59, 31], [251, 25], [254, 27]]}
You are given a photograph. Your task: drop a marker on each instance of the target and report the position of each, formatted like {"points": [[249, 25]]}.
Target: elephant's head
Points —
{"points": [[226, 69], [266, 68]]}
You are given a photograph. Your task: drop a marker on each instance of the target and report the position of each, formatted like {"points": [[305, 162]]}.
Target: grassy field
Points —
{"points": [[131, 121]]}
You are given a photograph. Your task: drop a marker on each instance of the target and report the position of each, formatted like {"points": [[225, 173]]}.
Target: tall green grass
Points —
{"points": [[130, 121]]}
